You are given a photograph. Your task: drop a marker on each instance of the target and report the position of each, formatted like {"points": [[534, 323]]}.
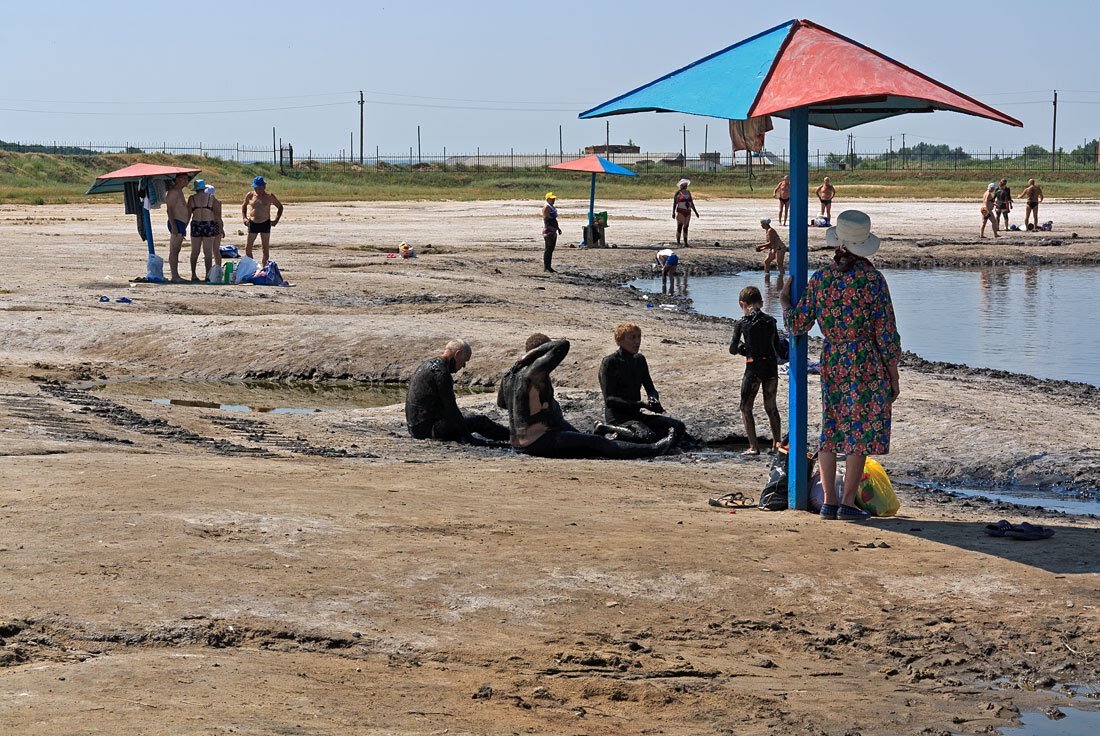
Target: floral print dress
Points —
{"points": [[856, 317]]}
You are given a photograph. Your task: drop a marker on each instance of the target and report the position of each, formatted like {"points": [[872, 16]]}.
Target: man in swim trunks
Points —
{"points": [[782, 191], [825, 193], [667, 261], [537, 426], [623, 375], [1002, 197], [777, 250], [989, 210], [431, 411], [683, 204], [256, 212], [1033, 195], [204, 228], [178, 215]]}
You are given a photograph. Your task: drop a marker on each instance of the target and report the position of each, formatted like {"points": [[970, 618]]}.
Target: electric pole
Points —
{"points": [[561, 150], [360, 127], [684, 130], [1054, 132], [904, 153], [607, 142]]}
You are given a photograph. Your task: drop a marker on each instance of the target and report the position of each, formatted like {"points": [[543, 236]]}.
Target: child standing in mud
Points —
{"points": [[756, 337]]}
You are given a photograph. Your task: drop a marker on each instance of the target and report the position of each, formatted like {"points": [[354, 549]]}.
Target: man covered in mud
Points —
{"points": [[537, 425], [431, 411], [623, 375]]}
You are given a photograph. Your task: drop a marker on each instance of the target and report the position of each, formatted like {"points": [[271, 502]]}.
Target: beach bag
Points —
{"points": [[817, 491], [246, 269], [775, 495], [229, 251], [154, 268], [876, 492], [214, 275]]}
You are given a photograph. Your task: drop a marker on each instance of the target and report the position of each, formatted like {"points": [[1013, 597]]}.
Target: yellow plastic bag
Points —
{"points": [[876, 492]]}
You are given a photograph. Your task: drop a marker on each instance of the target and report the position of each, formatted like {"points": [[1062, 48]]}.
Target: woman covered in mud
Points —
{"points": [[850, 300]]}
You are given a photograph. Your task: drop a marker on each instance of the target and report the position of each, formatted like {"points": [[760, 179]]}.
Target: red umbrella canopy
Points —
{"points": [[115, 181], [594, 165]]}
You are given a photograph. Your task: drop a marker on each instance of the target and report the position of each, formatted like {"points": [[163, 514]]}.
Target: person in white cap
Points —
{"points": [[850, 301], [682, 206], [989, 209]]}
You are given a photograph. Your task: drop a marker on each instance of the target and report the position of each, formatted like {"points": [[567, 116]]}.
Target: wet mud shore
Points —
{"points": [[173, 569]]}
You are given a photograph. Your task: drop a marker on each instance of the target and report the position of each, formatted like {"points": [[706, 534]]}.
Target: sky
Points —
{"points": [[503, 74]]}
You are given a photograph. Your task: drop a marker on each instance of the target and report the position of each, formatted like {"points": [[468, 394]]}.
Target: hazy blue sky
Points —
{"points": [[117, 71]]}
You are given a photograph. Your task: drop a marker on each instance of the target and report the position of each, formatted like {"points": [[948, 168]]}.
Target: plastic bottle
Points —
{"points": [[229, 268]]}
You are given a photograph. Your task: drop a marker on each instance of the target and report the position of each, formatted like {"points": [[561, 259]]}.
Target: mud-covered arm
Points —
{"points": [[545, 357], [452, 415], [736, 348]]}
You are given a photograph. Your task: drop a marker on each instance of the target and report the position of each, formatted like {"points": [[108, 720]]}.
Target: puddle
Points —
{"points": [[1050, 500], [300, 397], [1073, 722]]}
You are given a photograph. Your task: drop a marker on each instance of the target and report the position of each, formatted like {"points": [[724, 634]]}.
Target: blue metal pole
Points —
{"points": [[592, 202], [148, 231], [797, 490]]}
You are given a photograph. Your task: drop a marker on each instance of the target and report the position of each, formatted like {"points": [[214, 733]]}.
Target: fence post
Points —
{"points": [[513, 160]]}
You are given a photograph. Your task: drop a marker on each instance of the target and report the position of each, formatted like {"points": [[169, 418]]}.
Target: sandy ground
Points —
{"points": [[184, 570]]}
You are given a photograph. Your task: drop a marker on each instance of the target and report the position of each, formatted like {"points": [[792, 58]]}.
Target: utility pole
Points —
{"points": [[561, 149], [273, 157], [904, 153], [706, 145], [890, 153], [607, 142], [684, 130], [360, 127], [418, 157], [1054, 132]]}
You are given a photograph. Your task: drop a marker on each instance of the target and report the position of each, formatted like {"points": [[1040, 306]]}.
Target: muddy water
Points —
{"points": [[259, 396], [1029, 320]]}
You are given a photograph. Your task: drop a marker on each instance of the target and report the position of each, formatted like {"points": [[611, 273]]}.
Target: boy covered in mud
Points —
{"points": [[623, 375], [756, 337]]}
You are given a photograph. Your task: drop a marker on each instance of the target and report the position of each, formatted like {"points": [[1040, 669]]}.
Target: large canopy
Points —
{"points": [[798, 64], [811, 76], [116, 180]]}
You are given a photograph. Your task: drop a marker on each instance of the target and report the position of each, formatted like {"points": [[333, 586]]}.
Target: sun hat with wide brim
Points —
{"points": [[852, 232], [684, 183]]}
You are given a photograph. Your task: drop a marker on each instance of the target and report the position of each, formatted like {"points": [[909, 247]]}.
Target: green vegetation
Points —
{"points": [[33, 178]]}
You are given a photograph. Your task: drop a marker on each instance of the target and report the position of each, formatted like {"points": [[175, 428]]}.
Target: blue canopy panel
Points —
{"points": [[722, 85], [610, 167]]}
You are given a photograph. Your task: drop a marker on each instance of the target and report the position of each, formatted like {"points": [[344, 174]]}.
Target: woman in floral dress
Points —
{"points": [[850, 300]]}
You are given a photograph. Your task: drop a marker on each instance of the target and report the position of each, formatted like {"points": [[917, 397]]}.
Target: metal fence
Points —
{"points": [[305, 161]]}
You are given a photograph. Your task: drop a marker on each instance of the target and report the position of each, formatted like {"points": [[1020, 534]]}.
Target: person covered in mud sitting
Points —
{"points": [[537, 425], [623, 375], [431, 410]]}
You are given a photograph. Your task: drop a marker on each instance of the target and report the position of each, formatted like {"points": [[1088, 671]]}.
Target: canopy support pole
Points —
{"points": [[148, 230], [592, 202], [797, 490]]}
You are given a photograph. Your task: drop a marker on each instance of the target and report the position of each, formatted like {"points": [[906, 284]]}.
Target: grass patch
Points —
{"points": [[31, 178]]}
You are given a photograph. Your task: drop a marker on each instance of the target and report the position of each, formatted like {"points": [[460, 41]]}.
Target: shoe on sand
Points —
{"points": [[828, 511], [851, 513]]}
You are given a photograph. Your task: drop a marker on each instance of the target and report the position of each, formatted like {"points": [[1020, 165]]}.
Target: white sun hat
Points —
{"points": [[853, 233], [684, 183]]}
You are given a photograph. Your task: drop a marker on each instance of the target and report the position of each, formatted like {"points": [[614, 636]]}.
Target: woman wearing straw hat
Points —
{"points": [[850, 301], [682, 206], [550, 232]]}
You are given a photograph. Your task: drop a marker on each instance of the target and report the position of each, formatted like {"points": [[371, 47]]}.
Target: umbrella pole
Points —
{"points": [[148, 230], [592, 202], [797, 490]]}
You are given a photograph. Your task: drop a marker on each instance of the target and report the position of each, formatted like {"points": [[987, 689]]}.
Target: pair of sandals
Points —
{"points": [[735, 500], [1025, 531]]}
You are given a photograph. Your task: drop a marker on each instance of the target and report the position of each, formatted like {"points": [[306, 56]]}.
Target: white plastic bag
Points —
{"points": [[214, 276], [246, 269], [154, 268]]}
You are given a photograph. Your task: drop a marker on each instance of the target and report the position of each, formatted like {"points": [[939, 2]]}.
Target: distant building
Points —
{"points": [[613, 148]]}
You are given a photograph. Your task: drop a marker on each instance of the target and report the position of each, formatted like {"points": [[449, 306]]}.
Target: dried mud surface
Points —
{"points": [[179, 570]]}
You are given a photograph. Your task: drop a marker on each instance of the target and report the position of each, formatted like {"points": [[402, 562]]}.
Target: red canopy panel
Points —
{"points": [[819, 68], [141, 170]]}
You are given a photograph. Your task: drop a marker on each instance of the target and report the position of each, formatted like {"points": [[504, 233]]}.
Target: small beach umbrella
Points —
{"points": [[811, 76], [139, 173], [594, 165]]}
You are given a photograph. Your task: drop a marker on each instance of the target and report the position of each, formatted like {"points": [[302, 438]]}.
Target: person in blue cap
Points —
{"points": [[256, 212]]}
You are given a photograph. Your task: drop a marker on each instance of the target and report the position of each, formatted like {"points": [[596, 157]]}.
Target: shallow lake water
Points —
{"points": [[1032, 320]]}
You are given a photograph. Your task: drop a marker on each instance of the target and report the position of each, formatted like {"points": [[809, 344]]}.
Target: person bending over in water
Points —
{"points": [[777, 251], [623, 375], [431, 411], [536, 421]]}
